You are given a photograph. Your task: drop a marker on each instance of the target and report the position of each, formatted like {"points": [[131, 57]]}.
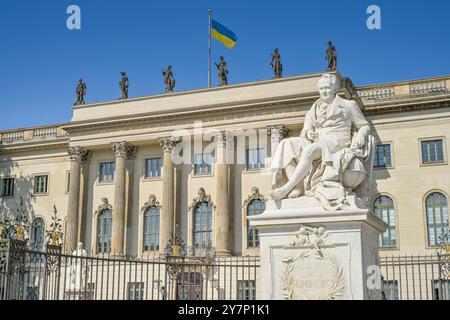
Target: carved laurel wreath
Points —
{"points": [[335, 289]]}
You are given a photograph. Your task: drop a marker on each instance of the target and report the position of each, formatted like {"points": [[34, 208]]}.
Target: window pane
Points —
{"points": [[432, 151], [425, 152], [255, 207], [202, 224], [437, 216], [439, 151], [104, 232], [432, 147], [384, 209], [106, 172]]}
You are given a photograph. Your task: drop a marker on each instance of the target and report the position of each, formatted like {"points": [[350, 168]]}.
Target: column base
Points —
{"points": [[119, 256], [223, 252]]}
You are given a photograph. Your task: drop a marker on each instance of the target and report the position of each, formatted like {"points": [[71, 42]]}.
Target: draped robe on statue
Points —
{"points": [[334, 125]]}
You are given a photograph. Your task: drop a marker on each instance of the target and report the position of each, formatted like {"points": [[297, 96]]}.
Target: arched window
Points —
{"points": [[37, 233], [203, 224], [254, 208], [151, 228], [437, 217], [383, 208], [104, 231]]}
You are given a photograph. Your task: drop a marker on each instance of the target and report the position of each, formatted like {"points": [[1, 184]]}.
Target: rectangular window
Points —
{"points": [[203, 163], [107, 170], [432, 151], [246, 290], [153, 167], [135, 291], [255, 158], [8, 187], [390, 290], [40, 184], [383, 156]]}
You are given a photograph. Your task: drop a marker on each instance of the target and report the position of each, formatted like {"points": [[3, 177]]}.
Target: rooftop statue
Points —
{"points": [[169, 80], [223, 71], [123, 84], [329, 160], [331, 56], [81, 92], [276, 64]]}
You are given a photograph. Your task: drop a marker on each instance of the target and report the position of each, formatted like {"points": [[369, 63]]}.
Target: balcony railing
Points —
{"points": [[430, 87], [33, 134], [377, 93], [12, 136], [43, 133]]}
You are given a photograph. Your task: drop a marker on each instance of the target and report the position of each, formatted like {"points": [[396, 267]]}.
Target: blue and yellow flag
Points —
{"points": [[224, 35]]}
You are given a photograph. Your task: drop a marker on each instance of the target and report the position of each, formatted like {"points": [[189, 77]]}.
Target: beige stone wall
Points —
{"points": [[23, 166], [408, 182]]}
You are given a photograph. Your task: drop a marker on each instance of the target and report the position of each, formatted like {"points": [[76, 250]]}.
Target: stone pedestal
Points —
{"points": [[309, 253]]}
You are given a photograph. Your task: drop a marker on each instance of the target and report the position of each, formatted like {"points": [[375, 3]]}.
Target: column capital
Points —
{"points": [[78, 153], [168, 143], [277, 132], [224, 139], [124, 150]]}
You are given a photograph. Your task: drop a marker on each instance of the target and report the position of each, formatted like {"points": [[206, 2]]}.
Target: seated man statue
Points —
{"points": [[331, 158]]}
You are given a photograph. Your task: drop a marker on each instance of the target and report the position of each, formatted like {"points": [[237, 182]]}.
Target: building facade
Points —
{"points": [[125, 175]]}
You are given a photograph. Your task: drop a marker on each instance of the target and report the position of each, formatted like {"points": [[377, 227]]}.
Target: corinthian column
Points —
{"points": [[222, 221], [167, 222], [276, 133], [123, 152], [77, 155]]}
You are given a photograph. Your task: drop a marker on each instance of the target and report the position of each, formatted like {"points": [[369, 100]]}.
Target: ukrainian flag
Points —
{"points": [[224, 35]]}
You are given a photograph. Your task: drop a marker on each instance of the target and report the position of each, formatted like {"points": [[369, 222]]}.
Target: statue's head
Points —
{"points": [[79, 246], [328, 88], [169, 67], [330, 43], [276, 50], [221, 58]]}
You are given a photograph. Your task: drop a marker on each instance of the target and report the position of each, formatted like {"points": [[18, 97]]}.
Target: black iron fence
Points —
{"points": [[26, 274], [50, 275], [418, 277]]}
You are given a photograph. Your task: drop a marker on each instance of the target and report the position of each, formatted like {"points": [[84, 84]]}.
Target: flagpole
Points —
{"points": [[209, 49]]}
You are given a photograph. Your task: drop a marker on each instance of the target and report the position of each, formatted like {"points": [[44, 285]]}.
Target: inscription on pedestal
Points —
{"points": [[310, 276], [308, 272]]}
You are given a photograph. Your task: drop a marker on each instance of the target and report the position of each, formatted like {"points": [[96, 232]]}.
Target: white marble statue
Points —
{"points": [[331, 158], [78, 272]]}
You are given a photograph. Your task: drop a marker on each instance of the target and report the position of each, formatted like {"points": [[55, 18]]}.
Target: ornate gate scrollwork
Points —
{"points": [[444, 255]]}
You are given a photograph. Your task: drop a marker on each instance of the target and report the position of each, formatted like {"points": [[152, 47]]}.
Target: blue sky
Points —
{"points": [[41, 60]]}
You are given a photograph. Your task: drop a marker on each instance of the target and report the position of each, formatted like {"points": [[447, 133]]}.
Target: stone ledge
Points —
{"points": [[307, 210]]}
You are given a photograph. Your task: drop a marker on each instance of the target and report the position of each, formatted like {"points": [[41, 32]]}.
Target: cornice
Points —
{"points": [[403, 106], [34, 145]]}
